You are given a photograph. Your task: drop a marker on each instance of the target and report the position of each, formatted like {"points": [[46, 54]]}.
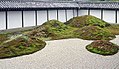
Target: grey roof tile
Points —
{"points": [[44, 4], [36, 4], [108, 5]]}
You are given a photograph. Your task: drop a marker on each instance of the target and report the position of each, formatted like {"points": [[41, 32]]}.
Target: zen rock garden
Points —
{"points": [[85, 27]]}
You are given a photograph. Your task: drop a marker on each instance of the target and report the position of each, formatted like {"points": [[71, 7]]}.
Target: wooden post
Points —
{"points": [[73, 13], [88, 11], [6, 20], [101, 14], [22, 18], [77, 12], [36, 17], [116, 16], [66, 14], [47, 15], [57, 15]]}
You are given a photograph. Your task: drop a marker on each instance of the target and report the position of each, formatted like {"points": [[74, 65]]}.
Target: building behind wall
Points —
{"points": [[15, 14]]}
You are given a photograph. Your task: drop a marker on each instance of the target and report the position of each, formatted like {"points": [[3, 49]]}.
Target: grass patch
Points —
{"points": [[52, 29], [85, 27], [86, 20], [113, 28], [94, 33], [20, 46], [102, 47], [3, 37]]}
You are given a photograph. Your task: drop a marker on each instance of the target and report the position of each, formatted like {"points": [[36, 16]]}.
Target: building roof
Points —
{"points": [[37, 4], [99, 5], [62, 4]]}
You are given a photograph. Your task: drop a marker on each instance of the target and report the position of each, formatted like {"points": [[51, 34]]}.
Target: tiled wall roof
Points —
{"points": [[49, 4], [108, 5], [36, 4]]}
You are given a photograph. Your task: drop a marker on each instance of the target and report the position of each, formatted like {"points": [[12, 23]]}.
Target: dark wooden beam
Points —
{"points": [[47, 14], [73, 13], [116, 16], [57, 15], [36, 17], [22, 19], [77, 12], [101, 14], [88, 11], [6, 19], [66, 14], [33, 9]]}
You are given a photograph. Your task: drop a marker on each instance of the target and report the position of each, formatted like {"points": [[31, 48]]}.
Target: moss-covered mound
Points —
{"points": [[93, 33], [53, 29], [20, 46], [102, 47], [113, 28], [86, 20], [3, 37]]}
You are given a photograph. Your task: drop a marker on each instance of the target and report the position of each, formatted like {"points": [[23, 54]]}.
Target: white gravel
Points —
{"points": [[63, 54]]}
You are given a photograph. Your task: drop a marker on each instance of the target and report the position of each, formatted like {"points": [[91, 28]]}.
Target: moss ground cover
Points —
{"points": [[3, 37], [20, 46], [85, 27], [113, 28], [94, 33], [53, 29], [86, 20], [103, 47]]}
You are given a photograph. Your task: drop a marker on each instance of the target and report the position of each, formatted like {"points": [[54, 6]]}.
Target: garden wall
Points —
{"points": [[17, 19]]}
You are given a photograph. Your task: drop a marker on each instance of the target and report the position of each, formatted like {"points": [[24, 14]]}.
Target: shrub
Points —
{"points": [[94, 33], [20, 46], [3, 37], [52, 29], [86, 20], [102, 47]]}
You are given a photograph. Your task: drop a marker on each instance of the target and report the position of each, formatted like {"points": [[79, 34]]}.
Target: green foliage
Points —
{"points": [[86, 20], [84, 27], [3, 37], [94, 33], [102, 47], [20, 46], [113, 28], [53, 29]]}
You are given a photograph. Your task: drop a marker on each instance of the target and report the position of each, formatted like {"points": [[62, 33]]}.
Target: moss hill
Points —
{"points": [[94, 33], [20, 46], [3, 37], [85, 27], [86, 20], [102, 47], [53, 29]]}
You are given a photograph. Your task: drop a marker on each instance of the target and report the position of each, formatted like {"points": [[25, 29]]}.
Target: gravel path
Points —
{"points": [[63, 54]]}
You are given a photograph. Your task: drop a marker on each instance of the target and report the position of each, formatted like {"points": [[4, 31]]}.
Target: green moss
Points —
{"points": [[3, 37], [94, 33], [86, 20], [102, 47], [20, 46], [53, 29], [113, 28], [84, 27]]}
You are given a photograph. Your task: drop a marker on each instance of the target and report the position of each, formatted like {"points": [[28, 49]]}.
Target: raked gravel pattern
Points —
{"points": [[63, 54]]}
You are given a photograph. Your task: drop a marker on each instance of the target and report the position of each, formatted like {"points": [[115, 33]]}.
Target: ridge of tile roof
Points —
{"points": [[58, 4]]}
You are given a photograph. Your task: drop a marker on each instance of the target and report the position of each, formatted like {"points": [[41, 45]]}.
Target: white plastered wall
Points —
{"points": [[29, 18], [109, 16], [2, 21], [42, 16], [14, 19], [52, 14]]}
